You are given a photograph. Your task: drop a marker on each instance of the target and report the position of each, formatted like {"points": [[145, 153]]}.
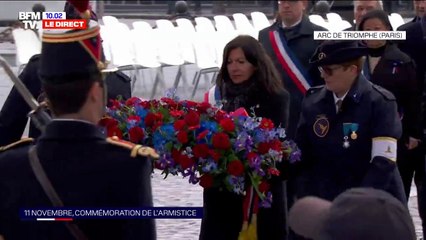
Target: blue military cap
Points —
{"points": [[71, 54], [337, 52]]}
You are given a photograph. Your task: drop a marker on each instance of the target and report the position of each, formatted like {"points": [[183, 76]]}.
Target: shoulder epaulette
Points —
{"points": [[17, 144], [385, 93], [313, 90], [34, 58], [135, 149]]}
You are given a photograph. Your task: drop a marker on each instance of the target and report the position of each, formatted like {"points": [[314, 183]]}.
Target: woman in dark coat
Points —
{"points": [[392, 69], [248, 79]]}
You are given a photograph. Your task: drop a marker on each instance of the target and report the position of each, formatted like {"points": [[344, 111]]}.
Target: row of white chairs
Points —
{"points": [[334, 21], [166, 45]]}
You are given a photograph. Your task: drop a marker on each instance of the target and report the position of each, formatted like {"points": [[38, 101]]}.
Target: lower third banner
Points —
{"points": [[69, 214]]}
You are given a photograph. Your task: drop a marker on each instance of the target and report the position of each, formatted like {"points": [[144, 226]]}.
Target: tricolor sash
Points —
{"points": [[289, 62], [212, 96]]}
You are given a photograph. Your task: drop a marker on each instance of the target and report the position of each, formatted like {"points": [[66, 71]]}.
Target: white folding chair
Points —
{"points": [[27, 45], [121, 47], [243, 25], [169, 51], [206, 54], [334, 17], [318, 20], [105, 44], [396, 20], [260, 20], [109, 20], [146, 55]]}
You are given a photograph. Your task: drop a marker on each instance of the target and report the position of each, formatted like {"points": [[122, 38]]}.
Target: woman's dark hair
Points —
{"points": [[265, 75], [379, 14]]}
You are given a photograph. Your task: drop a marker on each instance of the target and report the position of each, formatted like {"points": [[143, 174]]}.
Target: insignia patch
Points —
{"points": [[321, 55], [321, 126], [135, 149], [385, 147]]}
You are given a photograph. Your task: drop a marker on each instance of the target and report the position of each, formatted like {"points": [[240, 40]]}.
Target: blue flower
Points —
{"points": [[209, 166], [210, 125], [267, 201], [237, 184]]}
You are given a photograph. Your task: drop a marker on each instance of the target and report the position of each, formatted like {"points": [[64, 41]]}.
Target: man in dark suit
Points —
{"points": [[73, 164], [13, 115], [415, 47], [292, 32]]}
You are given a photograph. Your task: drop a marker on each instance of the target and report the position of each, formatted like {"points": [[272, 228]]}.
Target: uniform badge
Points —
{"points": [[321, 55], [321, 126], [349, 129]]}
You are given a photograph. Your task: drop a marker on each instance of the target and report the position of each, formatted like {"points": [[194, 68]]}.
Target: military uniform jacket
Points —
{"points": [[86, 171], [302, 44], [328, 167]]}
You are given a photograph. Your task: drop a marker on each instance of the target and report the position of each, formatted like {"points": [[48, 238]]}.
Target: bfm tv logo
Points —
{"points": [[50, 20]]}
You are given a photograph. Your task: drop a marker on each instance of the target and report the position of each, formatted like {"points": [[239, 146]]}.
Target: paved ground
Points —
{"points": [[173, 191]]}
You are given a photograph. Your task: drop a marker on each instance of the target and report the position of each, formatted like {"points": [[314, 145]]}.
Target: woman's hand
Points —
{"points": [[412, 143]]}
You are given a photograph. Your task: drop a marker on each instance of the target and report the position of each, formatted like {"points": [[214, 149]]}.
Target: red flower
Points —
{"points": [[276, 145], [251, 156], [220, 115], [157, 125], [221, 141], [263, 148], [108, 122], [201, 150], [182, 137], [150, 119], [206, 181], [115, 104], [179, 125], [169, 101], [203, 134], [227, 124], [192, 119], [176, 155], [274, 171], [203, 107], [177, 113], [114, 131], [236, 168], [135, 134], [132, 101], [215, 155], [190, 104], [135, 118], [264, 187], [266, 124], [186, 162]]}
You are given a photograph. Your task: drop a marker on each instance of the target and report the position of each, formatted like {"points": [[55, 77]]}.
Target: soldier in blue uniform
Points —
{"points": [[348, 128], [83, 168]]}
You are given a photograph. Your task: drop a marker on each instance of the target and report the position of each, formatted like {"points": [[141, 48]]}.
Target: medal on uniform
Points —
{"points": [[346, 130], [354, 128], [349, 129]]}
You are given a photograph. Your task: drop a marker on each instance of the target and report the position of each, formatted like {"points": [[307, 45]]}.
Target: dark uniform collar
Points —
{"points": [[358, 89], [303, 28], [71, 129], [354, 94]]}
